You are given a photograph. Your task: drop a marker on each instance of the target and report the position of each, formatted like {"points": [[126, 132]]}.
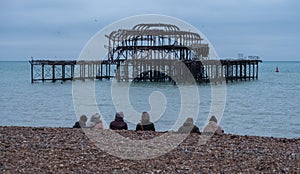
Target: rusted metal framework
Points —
{"points": [[155, 41], [63, 70], [151, 52]]}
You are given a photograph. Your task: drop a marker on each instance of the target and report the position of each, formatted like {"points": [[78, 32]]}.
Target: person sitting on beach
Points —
{"points": [[145, 123], [81, 123], [212, 127], [118, 123], [189, 127], [96, 122]]}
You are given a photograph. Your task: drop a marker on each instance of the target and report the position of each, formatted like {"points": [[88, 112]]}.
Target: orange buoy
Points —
{"points": [[276, 70]]}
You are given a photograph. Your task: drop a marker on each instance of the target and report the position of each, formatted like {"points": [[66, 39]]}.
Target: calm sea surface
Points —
{"points": [[269, 106]]}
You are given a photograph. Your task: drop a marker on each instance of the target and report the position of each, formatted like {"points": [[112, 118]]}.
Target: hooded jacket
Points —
{"points": [[118, 124], [149, 126]]}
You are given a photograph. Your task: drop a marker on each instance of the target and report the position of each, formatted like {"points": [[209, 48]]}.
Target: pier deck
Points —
{"points": [[203, 71], [63, 70]]}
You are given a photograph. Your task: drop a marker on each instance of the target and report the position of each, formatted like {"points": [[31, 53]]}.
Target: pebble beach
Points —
{"points": [[67, 150]]}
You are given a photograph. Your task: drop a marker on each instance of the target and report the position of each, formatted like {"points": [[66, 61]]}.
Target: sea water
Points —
{"points": [[268, 106]]}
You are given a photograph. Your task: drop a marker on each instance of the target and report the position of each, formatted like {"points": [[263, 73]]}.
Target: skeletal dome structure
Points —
{"points": [[153, 41]]}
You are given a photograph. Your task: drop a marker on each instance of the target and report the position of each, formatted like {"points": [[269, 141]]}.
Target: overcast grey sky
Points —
{"points": [[59, 29]]}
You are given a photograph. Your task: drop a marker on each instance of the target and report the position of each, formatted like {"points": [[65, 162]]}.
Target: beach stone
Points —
{"points": [[66, 150]]}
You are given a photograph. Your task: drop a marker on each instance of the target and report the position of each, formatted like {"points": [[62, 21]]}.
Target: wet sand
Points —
{"points": [[66, 150]]}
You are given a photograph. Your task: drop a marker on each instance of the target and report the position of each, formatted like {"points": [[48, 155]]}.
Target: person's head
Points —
{"points": [[189, 120], [95, 118], [214, 119], [83, 118], [119, 115], [145, 117]]}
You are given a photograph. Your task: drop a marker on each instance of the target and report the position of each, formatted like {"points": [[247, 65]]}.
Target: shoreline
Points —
{"points": [[158, 131], [61, 150]]}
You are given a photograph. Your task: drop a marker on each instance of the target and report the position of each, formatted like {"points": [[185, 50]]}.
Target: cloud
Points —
{"points": [[62, 26]]}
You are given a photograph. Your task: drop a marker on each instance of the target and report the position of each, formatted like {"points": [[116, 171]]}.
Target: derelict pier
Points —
{"points": [[154, 53]]}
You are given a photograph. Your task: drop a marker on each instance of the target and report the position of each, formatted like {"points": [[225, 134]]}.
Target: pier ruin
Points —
{"points": [[150, 53]]}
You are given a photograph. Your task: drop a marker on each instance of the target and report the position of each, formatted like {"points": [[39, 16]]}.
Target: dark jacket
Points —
{"points": [[79, 124], [145, 127], [189, 127], [118, 124]]}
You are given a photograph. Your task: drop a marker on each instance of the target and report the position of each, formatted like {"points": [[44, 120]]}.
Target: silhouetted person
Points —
{"points": [[213, 127], [81, 123], [118, 123], [189, 127], [96, 122], [145, 124]]}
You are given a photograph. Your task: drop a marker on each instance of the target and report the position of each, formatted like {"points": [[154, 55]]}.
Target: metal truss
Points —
{"points": [[156, 41]]}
